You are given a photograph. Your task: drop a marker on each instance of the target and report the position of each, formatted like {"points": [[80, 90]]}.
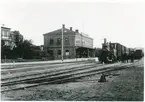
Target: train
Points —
{"points": [[138, 53], [114, 52]]}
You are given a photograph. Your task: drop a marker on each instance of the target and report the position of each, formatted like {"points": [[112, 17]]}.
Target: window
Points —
{"points": [[51, 41], [3, 33], [58, 41], [59, 52], [67, 52], [50, 52], [8, 34], [6, 43], [66, 41]]}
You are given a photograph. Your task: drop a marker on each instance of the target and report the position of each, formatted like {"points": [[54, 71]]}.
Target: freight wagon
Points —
{"points": [[138, 54]]}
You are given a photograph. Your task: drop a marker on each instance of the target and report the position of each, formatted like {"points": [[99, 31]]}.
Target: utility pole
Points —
{"points": [[62, 42]]}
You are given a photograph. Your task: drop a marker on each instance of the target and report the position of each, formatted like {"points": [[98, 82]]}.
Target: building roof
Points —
{"points": [[5, 27], [66, 31], [117, 43], [86, 36], [59, 31]]}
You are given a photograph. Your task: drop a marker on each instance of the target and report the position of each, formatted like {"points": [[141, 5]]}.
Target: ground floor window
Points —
{"points": [[50, 52], [6, 43], [67, 52], [59, 52]]}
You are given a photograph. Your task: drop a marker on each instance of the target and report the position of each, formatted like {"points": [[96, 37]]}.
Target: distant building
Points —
{"points": [[9, 38], [75, 44], [6, 36]]}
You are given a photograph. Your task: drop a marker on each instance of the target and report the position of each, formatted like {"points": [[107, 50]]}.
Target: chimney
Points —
{"points": [[63, 25], [77, 31], [70, 28], [104, 40]]}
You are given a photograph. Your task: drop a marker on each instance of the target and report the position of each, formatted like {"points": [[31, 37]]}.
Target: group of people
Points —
{"points": [[126, 57]]}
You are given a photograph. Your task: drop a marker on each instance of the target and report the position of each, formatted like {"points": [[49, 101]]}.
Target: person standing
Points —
{"points": [[132, 56]]}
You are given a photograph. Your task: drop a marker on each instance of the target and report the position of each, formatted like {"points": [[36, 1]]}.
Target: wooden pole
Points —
{"points": [[62, 44]]}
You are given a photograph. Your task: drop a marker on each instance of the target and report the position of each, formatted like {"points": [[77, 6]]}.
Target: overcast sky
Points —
{"points": [[122, 22]]}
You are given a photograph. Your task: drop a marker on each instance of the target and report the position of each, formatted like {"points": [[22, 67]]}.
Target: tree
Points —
{"points": [[27, 49], [18, 38], [22, 48]]}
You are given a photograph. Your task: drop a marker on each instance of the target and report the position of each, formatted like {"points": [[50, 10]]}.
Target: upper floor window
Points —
{"points": [[66, 41], [8, 35], [58, 41], [3, 33], [51, 41]]}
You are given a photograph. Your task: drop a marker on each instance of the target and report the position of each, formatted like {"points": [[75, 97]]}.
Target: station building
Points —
{"points": [[76, 44]]}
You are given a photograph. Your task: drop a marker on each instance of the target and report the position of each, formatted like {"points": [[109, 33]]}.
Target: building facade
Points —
{"points": [[6, 36], [75, 44], [9, 38]]}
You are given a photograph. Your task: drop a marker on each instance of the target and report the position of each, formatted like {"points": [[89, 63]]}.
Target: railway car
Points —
{"points": [[138, 54]]}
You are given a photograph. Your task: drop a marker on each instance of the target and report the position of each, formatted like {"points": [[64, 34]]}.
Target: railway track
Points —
{"points": [[49, 73], [36, 72], [13, 65], [60, 77], [43, 67]]}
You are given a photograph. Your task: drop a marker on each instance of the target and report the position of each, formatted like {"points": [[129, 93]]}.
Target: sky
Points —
{"points": [[122, 22]]}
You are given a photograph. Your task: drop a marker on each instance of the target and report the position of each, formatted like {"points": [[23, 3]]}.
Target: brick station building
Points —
{"points": [[75, 44]]}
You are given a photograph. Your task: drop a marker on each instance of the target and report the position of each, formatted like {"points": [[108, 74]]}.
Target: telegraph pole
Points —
{"points": [[62, 43]]}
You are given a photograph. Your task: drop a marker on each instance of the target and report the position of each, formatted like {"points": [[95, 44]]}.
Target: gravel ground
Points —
{"points": [[121, 85]]}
